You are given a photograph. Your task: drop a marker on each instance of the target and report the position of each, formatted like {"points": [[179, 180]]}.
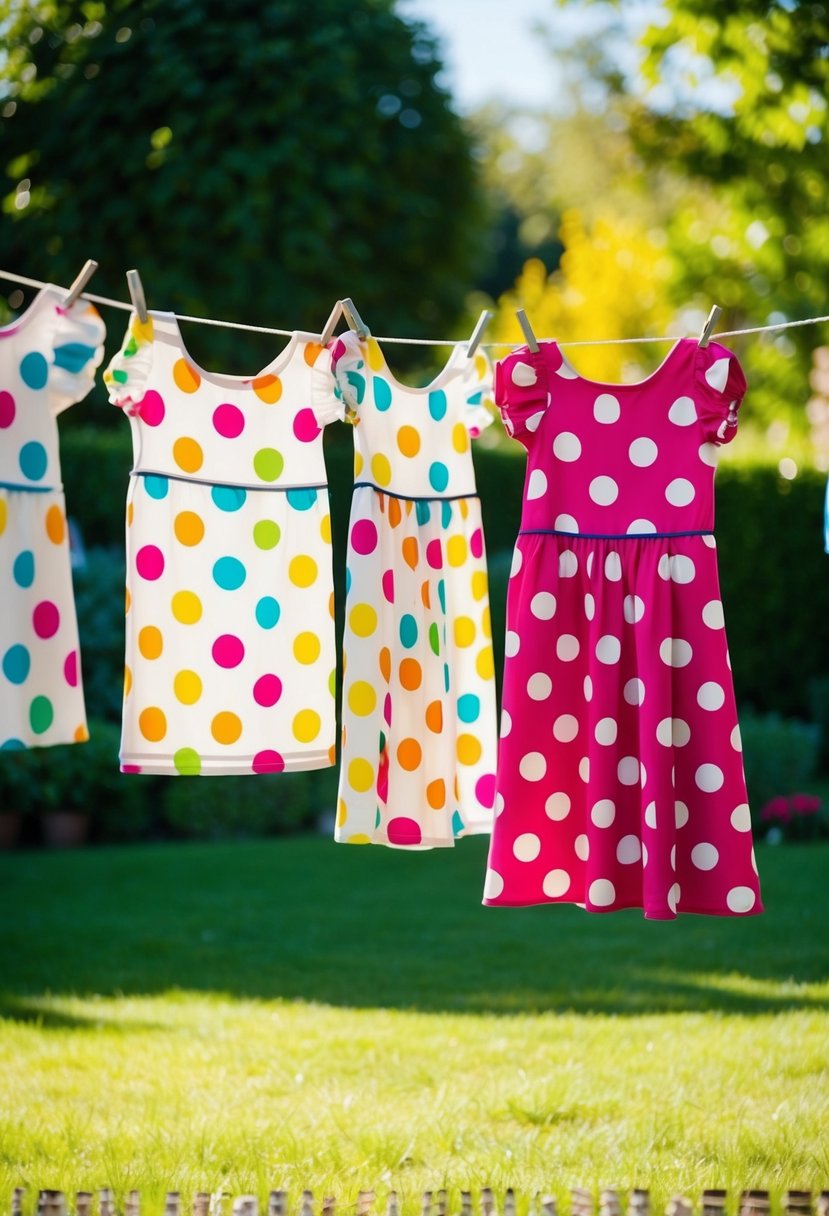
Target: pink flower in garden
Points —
{"points": [[775, 809], [804, 804]]}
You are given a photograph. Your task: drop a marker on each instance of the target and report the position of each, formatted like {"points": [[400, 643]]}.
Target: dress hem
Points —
{"points": [[649, 913], [221, 767]]}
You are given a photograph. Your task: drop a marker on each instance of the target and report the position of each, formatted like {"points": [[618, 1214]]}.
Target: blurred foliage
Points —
{"points": [[780, 757]]}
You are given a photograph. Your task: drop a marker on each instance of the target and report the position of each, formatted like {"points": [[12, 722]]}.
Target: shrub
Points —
{"points": [[99, 600], [780, 756], [217, 808]]}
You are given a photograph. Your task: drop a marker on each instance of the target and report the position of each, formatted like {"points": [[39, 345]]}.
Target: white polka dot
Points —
{"points": [[602, 893], [584, 769], [628, 850], [568, 564], [589, 606], [717, 373], [606, 408], [634, 691], [641, 526], [606, 731], [537, 485], [506, 723], [709, 778], [532, 766], [588, 688], [567, 647], [512, 643], [534, 421], [539, 686], [589, 564], [603, 813], [565, 523], [709, 540], [566, 446], [643, 452], [628, 770], [644, 854], [613, 567], [676, 652], [672, 857], [526, 847], [709, 453], [683, 412], [493, 885], [565, 728], [711, 695], [581, 847], [673, 897], [741, 818], [498, 805], [712, 615], [663, 568], [523, 375], [557, 806], [633, 609], [679, 492], [566, 371], [603, 491], [608, 649], [650, 816], [736, 739], [681, 814], [682, 568], [543, 605], [643, 776], [517, 562], [705, 856], [555, 884], [740, 899], [673, 732]]}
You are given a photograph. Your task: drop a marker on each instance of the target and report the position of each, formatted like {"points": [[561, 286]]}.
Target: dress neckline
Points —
{"points": [[611, 387], [20, 323], [451, 367], [220, 379]]}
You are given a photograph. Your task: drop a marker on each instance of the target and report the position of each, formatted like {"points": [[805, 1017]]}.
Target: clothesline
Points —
{"points": [[125, 306]]}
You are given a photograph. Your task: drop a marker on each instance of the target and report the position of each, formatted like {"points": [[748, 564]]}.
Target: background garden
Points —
{"points": [[235, 1015]]}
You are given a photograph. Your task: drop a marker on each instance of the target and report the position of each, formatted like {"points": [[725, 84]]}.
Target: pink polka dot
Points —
{"points": [[434, 555], [228, 420], [46, 619], [404, 831], [7, 409], [383, 780], [267, 690], [388, 585], [387, 709], [228, 650], [149, 562], [476, 543], [130, 768], [364, 536], [151, 410], [70, 669], [485, 789], [268, 762], [306, 428]]}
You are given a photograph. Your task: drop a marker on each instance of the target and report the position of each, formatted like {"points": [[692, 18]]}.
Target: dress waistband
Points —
{"points": [[414, 497], [28, 489], [232, 485], [613, 535]]}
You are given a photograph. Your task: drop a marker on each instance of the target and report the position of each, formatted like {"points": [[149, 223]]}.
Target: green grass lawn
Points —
{"points": [[297, 1013]]}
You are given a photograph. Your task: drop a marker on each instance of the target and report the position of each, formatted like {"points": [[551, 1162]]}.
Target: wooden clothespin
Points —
{"points": [[478, 332], [527, 329], [355, 321], [327, 332], [708, 327], [80, 282], [137, 295]]}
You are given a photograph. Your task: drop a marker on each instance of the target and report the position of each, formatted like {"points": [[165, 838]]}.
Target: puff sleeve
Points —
{"points": [[348, 365], [77, 350], [326, 403], [721, 386], [521, 391], [126, 376], [478, 392]]}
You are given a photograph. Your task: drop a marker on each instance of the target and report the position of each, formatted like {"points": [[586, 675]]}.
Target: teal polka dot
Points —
{"points": [[156, 486], [302, 500], [438, 476], [442, 594], [434, 638], [34, 370], [446, 514], [446, 676], [24, 568], [457, 824], [437, 403], [382, 394], [16, 664], [475, 398], [229, 573], [33, 460], [12, 745], [267, 612], [73, 356], [41, 714], [228, 498], [358, 383], [469, 706], [408, 630], [347, 580], [423, 512]]}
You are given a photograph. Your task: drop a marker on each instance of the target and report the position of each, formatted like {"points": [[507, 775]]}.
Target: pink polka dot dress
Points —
{"points": [[48, 358], [419, 719], [620, 779], [230, 657]]}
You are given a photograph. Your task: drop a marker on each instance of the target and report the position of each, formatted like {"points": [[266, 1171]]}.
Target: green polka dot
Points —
{"points": [[266, 534], [187, 762], [332, 682], [268, 464], [41, 714], [434, 638]]}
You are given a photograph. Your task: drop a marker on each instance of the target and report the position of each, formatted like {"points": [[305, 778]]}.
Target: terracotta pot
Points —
{"points": [[64, 829], [10, 823]]}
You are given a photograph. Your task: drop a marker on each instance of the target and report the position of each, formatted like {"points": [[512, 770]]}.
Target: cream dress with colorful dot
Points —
{"points": [[230, 658], [47, 363], [419, 732]]}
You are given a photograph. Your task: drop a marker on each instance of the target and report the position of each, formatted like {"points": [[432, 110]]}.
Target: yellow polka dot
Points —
{"points": [[150, 642], [55, 524], [188, 455], [186, 376], [342, 813], [302, 571], [306, 725], [152, 724], [456, 550], [484, 664], [226, 727], [189, 527], [331, 605], [464, 506], [360, 775], [361, 698], [408, 441], [358, 838], [464, 631], [187, 686], [479, 585], [4, 511], [130, 514], [127, 600], [381, 469], [268, 389], [460, 437], [186, 607], [363, 620], [325, 529], [481, 367], [486, 624], [306, 647], [127, 681], [142, 331], [374, 356], [358, 463], [468, 749], [81, 734]]}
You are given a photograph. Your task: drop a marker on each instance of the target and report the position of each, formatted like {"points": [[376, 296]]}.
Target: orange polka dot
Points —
{"points": [[385, 663], [332, 754], [331, 605], [150, 642], [409, 754], [188, 527], [226, 727], [81, 734], [410, 552], [268, 389], [153, 724], [312, 352], [188, 455], [408, 441], [127, 681], [395, 514], [410, 674], [436, 794], [186, 376], [55, 525], [425, 594], [434, 717], [468, 749], [127, 600], [130, 514]]}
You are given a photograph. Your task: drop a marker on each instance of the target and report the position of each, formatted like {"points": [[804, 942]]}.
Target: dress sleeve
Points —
{"points": [[521, 392], [721, 388], [348, 365], [326, 404], [77, 350], [478, 391], [126, 376]]}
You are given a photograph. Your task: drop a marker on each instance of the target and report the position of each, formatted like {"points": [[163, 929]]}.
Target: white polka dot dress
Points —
{"points": [[230, 658], [48, 358], [620, 780]]}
